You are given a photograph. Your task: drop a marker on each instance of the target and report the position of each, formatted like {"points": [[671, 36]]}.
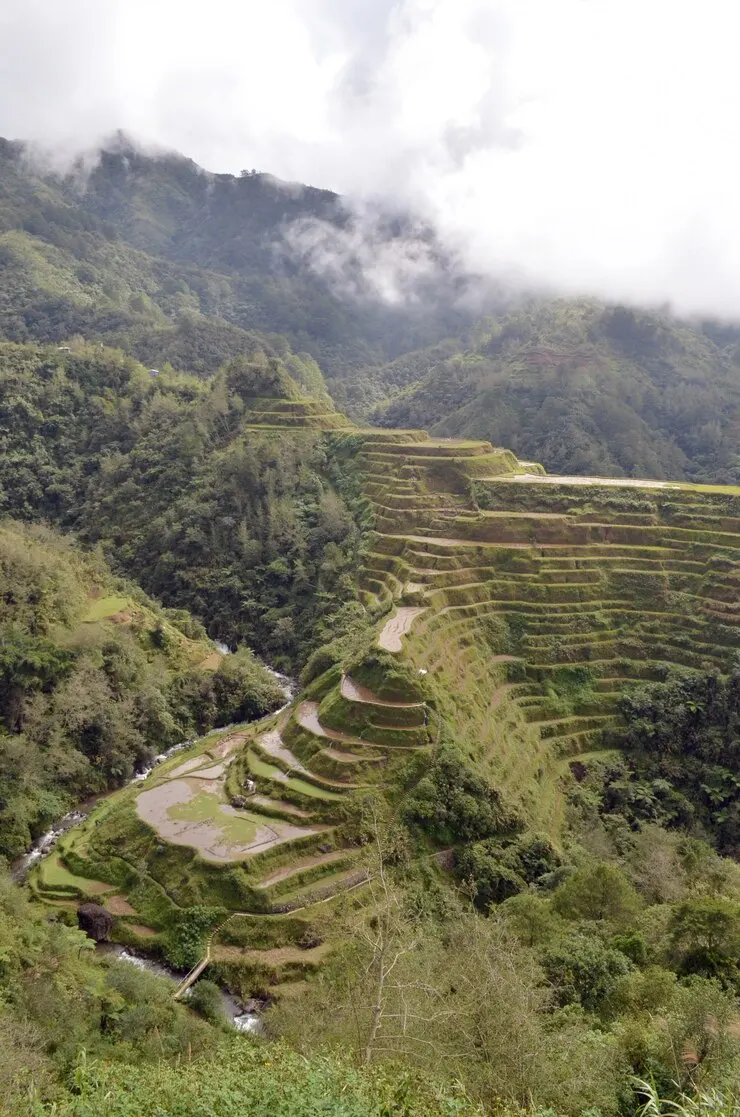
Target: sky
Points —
{"points": [[589, 145]]}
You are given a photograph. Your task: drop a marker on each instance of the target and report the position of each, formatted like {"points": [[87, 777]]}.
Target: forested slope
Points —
{"points": [[154, 255], [187, 485], [589, 389], [491, 839], [96, 680], [142, 247]]}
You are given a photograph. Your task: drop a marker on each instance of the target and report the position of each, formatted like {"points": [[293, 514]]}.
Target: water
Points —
{"points": [[44, 845], [288, 686], [243, 1018]]}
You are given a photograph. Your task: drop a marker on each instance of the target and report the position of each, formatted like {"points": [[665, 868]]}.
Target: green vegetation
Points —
{"points": [[241, 1077], [486, 862], [95, 682], [187, 491], [584, 388], [179, 266], [681, 765], [486, 806]]}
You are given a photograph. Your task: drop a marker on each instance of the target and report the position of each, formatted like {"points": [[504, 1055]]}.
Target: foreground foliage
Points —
{"points": [[242, 1077]]}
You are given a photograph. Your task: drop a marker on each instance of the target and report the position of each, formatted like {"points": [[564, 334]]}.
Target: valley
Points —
{"points": [[512, 607], [483, 858]]}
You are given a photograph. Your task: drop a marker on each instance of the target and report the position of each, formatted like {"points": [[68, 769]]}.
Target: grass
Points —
{"points": [[620, 583], [105, 607], [205, 807], [54, 874]]}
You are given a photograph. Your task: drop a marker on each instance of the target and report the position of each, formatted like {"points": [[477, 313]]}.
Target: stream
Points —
{"points": [[245, 1018]]}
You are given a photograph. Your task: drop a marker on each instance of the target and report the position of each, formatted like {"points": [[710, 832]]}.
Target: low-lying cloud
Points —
{"points": [[588, 145]]}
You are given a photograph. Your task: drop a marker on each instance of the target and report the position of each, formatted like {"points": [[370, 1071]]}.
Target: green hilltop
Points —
{"points": [[156, 255], [96, 680]]}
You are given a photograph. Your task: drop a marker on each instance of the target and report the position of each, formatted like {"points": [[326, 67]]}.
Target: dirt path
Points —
{"points": [[299, 866], [345, 757], [278, 956], [215, 772], [442, 540], [279, 804], [143, 931], [183, 769], [229, 744], [398, 626], [119, 905], [355, 692], [498, 695]]}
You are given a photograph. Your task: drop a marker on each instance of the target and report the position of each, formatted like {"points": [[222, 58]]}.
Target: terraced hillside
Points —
{"points": [[303, 413], [536, 599], [511, 608]]}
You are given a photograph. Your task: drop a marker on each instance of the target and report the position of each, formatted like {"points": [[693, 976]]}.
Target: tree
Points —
{"points": [[705, 938], [598, 892]]}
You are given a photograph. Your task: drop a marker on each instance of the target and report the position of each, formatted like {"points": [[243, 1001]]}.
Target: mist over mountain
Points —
{"points": [[155, 255], [139, 243], [508, 126], [369, 558]]}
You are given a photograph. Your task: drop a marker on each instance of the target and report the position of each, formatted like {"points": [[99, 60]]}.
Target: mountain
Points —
{"points": [[174, 265], [143, 248], [485, 860], [585, 388]]}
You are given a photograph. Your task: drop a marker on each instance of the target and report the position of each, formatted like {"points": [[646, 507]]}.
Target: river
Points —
{"points": [[21, 867]]}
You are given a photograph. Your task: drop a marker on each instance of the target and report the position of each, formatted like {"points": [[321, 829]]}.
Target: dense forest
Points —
{"points": [[96, 680], [242, 528], [141, 247], [155, 256]]}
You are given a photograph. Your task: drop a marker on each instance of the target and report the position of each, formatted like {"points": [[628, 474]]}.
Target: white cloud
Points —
{"points": [[588, 144]]}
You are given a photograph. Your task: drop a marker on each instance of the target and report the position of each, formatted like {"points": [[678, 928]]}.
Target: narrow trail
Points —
{"points": [[307, 716], [194, 974], [198, 969], [555, 479]]}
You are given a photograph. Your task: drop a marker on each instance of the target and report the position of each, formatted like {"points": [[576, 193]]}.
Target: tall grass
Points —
{"points": [[712, 1103]]}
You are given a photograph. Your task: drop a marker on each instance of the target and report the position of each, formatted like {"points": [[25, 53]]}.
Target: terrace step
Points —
{"points": [[355, 692], [277, 808], [312, 786], [301, 865]]}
